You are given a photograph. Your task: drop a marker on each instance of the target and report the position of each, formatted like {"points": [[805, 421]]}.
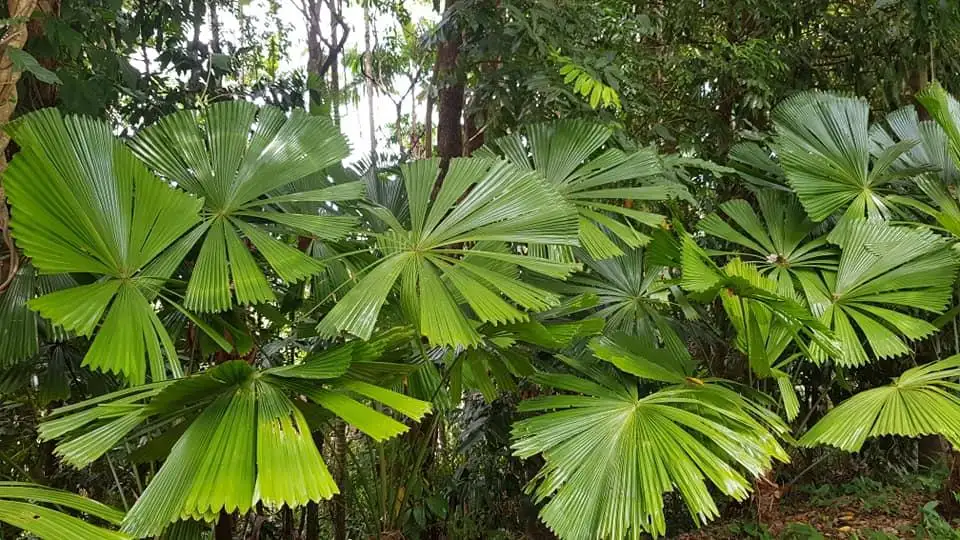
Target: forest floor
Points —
{"points": [[863, 509]]}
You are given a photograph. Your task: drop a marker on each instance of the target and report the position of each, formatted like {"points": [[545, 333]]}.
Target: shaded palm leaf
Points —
{"points": [[633, 297], [20, 327], [881, 267], [611, 454], [242, 160], [921, 401], [565, 154], [780, 244], [247, 440], [766, 320], [20, 507], [455, 246], [756, 165], [823, 143], [82, 203]]}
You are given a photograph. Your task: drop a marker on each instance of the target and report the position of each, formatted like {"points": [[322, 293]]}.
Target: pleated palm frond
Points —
{"points": [[506, 351], [633, 297], [921, 401], [570, 155], [757, 166], [935, 150], [83, 203], [611, 454], [823, 143], [243, 159], [246, 439], [22, 505], [21, 329], [883, 271], [767, 321], [780, 243], [457, 245]]}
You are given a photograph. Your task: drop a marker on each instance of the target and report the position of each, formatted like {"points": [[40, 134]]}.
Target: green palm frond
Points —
{"points": [[243, 159], [246, 439], [565, 154], [21, 329], [780, 244], [82, 203], [921, 401], [766, 319], [20, 506], [756, 165], [506, 350], [883, 271], [824, 147], [611, 454], [633, 297], [456, 246]]}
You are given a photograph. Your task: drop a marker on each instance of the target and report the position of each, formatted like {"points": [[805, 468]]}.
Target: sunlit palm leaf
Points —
{"points": [[780, 244], [568, 155], [247, 440], [242, 160], [921, 401], [766, 320], [823, 143], [448, 251], [82, 203], [611, 454], [881, 267], [19, 506]]}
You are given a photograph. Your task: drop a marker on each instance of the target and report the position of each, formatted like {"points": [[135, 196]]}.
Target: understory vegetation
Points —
{"points": [[493, 270]]}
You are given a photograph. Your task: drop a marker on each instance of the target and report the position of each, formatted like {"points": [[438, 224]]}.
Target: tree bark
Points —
{"points": [[450, 94], [368, 83], [340, 476], [15, 37]]}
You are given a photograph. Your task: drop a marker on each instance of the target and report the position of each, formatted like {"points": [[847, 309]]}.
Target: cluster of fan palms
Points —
{"points": [[423, 281]]}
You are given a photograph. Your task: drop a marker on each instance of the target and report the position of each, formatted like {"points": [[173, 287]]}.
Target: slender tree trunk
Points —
{"points": [[313, 509], [340, 461], [335, 10], [368, 85], [449, 95], [314, 48], [428, 124]]}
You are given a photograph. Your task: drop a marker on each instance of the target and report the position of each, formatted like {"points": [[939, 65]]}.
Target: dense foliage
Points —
{"points": [[648, 273]]}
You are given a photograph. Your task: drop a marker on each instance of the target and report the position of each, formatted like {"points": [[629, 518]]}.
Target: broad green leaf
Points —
{"points": [[446, 257], [243, 160], [921, 401], [82, 203]]}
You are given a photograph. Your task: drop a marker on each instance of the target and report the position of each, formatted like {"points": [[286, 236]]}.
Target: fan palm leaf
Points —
{"points": [[921, 401], [611, 453], [634, 297], [82, 203], [456, 246], [242, 159], [565, 154], [823, 143], [881, 267], [21, 328], [780, 244], [19, 506], [247, 440]]}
